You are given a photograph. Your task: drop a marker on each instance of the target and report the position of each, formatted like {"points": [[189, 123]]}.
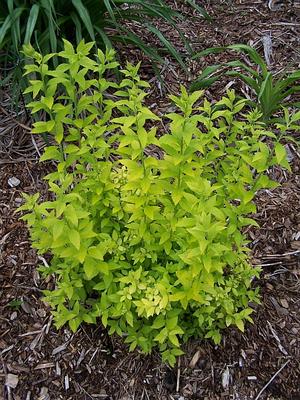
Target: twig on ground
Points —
{"points": [[8, 389], [271, 380], [178, 375], [16, 160], [291, 253], [3, 240], [281, 348], [35, 146], [44, 261], [268, 265]]}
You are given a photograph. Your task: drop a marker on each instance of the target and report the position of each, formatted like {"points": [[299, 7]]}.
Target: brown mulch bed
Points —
{"points": [[39, 362]]}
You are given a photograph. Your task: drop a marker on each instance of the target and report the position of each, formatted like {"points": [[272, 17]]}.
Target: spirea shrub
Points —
{"points": [[151, 247]]}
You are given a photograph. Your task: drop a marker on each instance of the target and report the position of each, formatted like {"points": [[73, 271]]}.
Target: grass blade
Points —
{"points": [[249, 81], [266, 87], [15, 27], [110, 10], [210, 70], [78, 27], [136, 41], [31, 22], [4, 28], [210, 50], [200, 9], [10, 6], [12, 22], [104, 38], [252, 53], [203, 83], [153, 10], [168, 45], [50, 13], [85, 17], [239, 64]]}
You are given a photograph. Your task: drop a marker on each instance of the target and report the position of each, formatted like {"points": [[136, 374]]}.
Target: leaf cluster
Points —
{"points": [[153, 248], [272, 92]]}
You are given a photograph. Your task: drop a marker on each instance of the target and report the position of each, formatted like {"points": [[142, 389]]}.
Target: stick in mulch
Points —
{"points": [[271, 380], [178, 375]]}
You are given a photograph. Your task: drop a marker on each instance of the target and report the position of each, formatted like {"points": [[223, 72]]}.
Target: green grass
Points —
{"points": [[45, 23]]}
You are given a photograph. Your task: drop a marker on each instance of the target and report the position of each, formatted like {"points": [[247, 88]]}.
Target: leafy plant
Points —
{"points": [[45, 22], [272, 92], [152, 247]]}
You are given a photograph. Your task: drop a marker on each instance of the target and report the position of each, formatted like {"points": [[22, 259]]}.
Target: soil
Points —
{"points": [[39, 362]]}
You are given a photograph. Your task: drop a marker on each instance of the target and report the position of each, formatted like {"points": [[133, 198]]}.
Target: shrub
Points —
{"points": [[151, 246], [272, 92]]}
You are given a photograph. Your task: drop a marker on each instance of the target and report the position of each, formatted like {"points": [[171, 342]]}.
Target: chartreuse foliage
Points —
{"points": [[153, 248]]}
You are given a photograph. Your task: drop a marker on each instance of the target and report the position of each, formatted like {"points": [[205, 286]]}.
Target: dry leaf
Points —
{"points": [[195, 359], [284, 303], [11, 380], [226, 378]]}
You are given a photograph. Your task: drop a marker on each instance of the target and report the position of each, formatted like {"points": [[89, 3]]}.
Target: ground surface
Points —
{"points": [[39, 362]]}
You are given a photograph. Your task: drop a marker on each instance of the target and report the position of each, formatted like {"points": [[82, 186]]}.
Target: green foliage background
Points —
{"points": [[44, 23], [272, 91]]}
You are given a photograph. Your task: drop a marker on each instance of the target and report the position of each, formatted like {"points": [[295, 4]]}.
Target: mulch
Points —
{"points": [[39, 362]]}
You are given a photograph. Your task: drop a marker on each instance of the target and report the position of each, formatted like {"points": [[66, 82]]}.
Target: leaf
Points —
{"points": [[280, 153], [4, 28], [133, 346], [74, 324], [85, 17], [173, 339], [74, 237], [172, 323], [70, 214], [42, 127], [168, 45], [58, 229], [51, 153], [150, 211], [97, 252], [161, 337], [129, 318], [159, 322], [48, 101], [164, 237], [240, 324], [228, 320], [177, 195], [50, 12], [200, 9], [143, 138], [91, 268], [210, 50], [255, 57], [31, 22]]}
